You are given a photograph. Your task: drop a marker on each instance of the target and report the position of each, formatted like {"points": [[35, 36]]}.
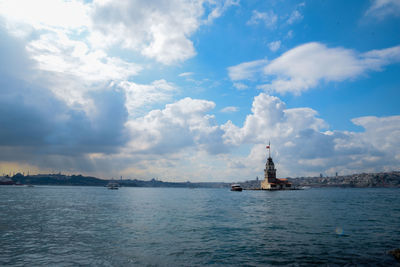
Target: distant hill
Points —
{"points": [[58, 179], [61, 179]]}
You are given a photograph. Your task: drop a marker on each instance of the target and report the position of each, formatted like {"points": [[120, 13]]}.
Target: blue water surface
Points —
{"points": [[69, 226]]}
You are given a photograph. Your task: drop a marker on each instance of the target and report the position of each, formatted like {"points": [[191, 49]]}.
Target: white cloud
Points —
{"points": [[218, 8], [44, 14], [70, 69], [376, 59], [270, 120], [230, 109], [300, 146], [180, 125], [69, 40], [306, 66], [374, 149], [295, 17], [57, 53], [185, 74], [240, 86], [268, 18], [140, 96], [303, 67], [380, 133], [383, 8], [157, 29], [246, 70], [274, 46]]}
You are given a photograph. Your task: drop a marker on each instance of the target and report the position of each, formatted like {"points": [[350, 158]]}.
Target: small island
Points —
{"points": [[270, 181]]}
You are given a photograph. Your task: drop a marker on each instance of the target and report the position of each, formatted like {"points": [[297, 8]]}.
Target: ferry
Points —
{"points": [[236, 187], [113, 185]]}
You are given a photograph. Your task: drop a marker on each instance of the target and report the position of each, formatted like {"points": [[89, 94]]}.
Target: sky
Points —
{"points": [[194, 90]]}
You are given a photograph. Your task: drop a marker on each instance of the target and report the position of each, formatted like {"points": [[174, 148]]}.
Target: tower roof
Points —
{"points": [[269, 162]]}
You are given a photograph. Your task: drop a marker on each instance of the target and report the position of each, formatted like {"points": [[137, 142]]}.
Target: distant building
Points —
{"points": [[270, 181]]}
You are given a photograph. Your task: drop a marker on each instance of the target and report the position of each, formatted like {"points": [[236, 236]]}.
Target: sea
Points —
{"points": [[94, 226]]}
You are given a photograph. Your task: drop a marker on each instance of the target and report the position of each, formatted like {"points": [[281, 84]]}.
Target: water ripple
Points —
{"points": [[69, 226]]}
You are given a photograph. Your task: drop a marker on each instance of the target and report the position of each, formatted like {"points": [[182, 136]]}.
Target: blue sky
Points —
{"points": [[194, 90]]}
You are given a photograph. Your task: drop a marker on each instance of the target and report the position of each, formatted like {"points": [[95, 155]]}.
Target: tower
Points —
{"points": [[270, 181], [270, 171]]}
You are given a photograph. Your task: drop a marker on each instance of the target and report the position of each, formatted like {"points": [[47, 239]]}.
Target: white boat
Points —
{"points": [[304, 187], [236, 187], [113, 185]]}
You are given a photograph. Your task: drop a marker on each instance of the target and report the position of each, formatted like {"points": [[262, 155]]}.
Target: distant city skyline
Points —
{"points": [[195, 90]]}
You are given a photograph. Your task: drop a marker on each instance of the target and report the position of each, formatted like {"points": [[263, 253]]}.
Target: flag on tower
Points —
{"points": [[268, 147]]}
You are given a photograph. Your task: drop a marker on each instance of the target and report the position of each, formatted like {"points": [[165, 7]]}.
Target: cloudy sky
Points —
{"points": [[194, 90]]}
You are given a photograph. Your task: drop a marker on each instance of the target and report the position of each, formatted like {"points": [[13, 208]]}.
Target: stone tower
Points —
{"points": [[270, 171], [270, 181]]}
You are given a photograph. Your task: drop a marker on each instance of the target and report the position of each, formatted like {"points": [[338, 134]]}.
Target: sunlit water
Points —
{"points": [[63, 226]]}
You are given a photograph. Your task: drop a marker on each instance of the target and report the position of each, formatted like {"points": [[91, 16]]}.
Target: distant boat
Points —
{"points": [[6, 181], [236, 187], [113, 185], [304, 187]]}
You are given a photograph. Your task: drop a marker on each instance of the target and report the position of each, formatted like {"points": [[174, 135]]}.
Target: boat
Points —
{"points": [[236, 187], [5, 180], [113, 185], [304, 187]]}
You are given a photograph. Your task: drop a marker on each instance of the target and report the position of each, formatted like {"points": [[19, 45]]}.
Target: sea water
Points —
{"points": [[63, 226]]}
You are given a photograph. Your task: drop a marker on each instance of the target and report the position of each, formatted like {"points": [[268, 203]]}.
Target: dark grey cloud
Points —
{"points": [[36, 126], [33, 116], [14, 59]]}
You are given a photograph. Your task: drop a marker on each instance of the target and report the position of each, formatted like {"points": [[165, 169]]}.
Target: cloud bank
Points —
{"points": [[383, 8], [307, 66], [69, 103], [158, 30], [183, 140], [302, 141]]}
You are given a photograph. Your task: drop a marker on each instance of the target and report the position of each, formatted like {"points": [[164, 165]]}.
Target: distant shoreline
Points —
{"points": [[363, 180]]}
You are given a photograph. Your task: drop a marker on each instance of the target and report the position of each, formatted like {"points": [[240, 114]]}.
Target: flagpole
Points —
{"points": [[269, 149]]}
